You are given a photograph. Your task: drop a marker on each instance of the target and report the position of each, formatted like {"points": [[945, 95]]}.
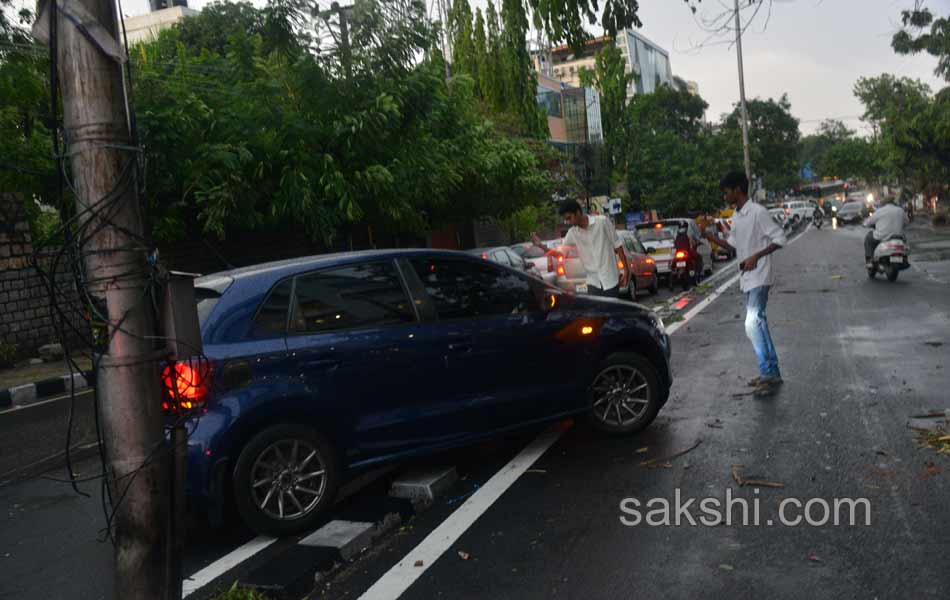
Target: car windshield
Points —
{"points": [[851, 207], [651, 233]]}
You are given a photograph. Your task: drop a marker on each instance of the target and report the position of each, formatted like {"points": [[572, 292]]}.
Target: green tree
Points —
{"points": [[610, 78], [912, 128], [493, 82], [464, 58], [519, 81], [668, 149], [923, 32], [26, 164], [854, 158], [773, 140], [814, 148], [251, 138], [480, 46]]}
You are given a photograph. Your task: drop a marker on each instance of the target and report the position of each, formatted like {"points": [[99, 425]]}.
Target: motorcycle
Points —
{"points": [[818, 219], [683, 270], [890, 258]]}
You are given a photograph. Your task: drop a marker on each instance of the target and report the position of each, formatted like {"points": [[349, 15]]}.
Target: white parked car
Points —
{"points": [[798, 211]]}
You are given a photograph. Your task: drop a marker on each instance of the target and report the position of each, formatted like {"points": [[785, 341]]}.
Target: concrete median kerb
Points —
{"points": [[20, 396]]}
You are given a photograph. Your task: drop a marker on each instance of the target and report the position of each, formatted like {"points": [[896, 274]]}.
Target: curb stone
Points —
{"points": [[30, 393]]}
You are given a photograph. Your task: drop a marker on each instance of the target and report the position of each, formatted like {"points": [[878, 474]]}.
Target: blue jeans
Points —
{"points": [[757, 329]]}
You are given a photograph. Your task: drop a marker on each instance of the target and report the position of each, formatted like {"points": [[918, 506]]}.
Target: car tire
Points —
{"points": [[655, 286], [633, 287], [637, 403], [256, 503]]}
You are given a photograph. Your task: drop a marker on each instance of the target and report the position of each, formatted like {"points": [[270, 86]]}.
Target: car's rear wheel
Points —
{"points": [[625, 394], [655, 286], [285, 476]]}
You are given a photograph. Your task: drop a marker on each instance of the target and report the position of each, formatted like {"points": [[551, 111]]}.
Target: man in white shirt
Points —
{"points": [[598, 246], [887, 221], [754, 237]]}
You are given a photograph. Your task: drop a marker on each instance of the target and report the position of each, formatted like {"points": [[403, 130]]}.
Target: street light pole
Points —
{"points": [[742, 102]]}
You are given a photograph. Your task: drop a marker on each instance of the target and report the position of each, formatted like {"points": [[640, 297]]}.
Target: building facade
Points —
{"points": [[145, 28], [573, 113], [646, 61]]}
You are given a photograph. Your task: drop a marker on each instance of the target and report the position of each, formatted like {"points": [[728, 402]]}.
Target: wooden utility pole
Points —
{"points": [[742, 101], [103, 165]]}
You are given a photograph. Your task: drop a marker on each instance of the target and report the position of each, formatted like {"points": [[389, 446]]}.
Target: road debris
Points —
{"points": [[930, 470], [837, 277], [418, 563], [716, 424], [664, 462], [464, 555], [788, 291], [743, 482], [726, 567], [933, 344], [813, 557], [937, 440]]}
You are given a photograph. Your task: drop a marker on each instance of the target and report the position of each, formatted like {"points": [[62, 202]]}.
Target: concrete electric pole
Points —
{"points": [[83, 38], [742, 102]]}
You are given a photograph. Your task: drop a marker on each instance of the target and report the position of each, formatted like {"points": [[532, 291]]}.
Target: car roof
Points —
{"points": [[292, 266], [486, 249]]}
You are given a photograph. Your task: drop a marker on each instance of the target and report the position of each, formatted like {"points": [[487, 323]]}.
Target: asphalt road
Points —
{"points": [[856, 366]]}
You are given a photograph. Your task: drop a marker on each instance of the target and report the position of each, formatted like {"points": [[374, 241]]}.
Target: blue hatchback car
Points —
{"points": [[322, 366]]}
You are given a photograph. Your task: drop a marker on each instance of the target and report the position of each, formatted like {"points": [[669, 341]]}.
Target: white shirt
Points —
{"points": [[887, 221], [753, 230], [597, 246]]}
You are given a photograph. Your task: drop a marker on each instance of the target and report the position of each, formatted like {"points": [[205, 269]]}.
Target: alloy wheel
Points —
{"points": [[621, 395], [288, 479]]}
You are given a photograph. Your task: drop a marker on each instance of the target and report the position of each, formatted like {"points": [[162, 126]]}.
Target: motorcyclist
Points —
{"points": [[888, 221], [685, 243]]}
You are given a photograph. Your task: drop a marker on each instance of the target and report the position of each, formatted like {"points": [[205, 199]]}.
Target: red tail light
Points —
{"points": [[680, 254], [187, 385], [560, 269], [620, 265], [786, 211], [560, 259], [485, 255]]}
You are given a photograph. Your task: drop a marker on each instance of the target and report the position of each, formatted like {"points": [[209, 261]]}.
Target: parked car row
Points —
{"points": [[320, 367]]}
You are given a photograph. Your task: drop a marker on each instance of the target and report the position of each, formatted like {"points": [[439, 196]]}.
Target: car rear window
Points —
{"points": [[651, 233], [529, 252]]}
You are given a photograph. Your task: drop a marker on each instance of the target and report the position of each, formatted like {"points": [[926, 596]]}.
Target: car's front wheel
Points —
{"points": [[285, 476], [625, 394]]}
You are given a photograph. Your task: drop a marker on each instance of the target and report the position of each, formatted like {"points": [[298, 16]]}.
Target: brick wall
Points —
{"points": [[25, 318]]}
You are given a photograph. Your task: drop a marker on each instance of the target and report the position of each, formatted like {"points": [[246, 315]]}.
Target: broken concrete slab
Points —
{"points": [[423, 485], [348, 537]]}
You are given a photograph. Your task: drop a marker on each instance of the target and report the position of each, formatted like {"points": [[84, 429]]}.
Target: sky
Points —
{"points": [[813, 50]]}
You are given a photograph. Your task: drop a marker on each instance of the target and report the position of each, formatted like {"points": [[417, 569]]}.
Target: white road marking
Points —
{"points": [[398, 579], [224, 564]]}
